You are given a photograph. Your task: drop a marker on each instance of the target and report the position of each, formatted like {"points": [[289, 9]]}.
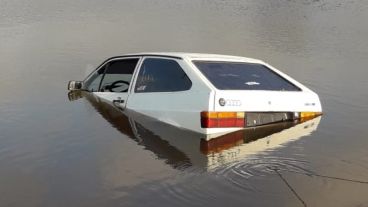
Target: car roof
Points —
{"points": [[197, 56]]}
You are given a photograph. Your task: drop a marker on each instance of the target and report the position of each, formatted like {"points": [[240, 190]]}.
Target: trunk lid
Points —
{"points": [[266, 101]]}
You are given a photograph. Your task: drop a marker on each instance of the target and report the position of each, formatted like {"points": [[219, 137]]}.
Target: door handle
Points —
{"points": [[118, 101]]}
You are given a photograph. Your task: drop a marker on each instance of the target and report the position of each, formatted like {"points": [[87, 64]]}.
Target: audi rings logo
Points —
{"points": [[229, 102]]}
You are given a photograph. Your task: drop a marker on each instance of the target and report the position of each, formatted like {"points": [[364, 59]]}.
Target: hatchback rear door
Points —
{"points": [[254, 87]]}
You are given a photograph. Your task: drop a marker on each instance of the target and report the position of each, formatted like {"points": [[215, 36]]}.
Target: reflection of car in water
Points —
{"points": [[186, 148], [205, 93]]}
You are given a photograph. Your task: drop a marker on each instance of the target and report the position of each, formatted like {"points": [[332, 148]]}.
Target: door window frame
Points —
{"points": [[143, 58]]}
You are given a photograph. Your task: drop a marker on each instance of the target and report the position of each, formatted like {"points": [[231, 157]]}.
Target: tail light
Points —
{"points": [[305, 116], [309, 114], [238, 119], [222, 119]]}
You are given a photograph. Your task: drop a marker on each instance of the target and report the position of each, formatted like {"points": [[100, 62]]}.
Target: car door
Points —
{"points": [[113, 80], [162, 90]]}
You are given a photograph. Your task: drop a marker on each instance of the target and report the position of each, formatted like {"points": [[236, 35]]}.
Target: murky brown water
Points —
{"points": [[54, 152]]}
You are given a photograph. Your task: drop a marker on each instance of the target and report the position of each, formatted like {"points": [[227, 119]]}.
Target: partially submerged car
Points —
{"points": [[205, 93]]}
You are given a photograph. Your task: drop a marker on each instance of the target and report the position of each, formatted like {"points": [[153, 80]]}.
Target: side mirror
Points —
{"points": [[75, 85]]}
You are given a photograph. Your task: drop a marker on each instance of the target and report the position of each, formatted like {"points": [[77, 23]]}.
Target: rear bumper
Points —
{"points": [[256, 119]]}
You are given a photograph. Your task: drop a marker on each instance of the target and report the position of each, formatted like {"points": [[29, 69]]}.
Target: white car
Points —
{"points": [[205, 93]]}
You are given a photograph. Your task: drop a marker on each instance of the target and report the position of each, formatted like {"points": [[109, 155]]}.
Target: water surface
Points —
{"points": [[56, 152]]}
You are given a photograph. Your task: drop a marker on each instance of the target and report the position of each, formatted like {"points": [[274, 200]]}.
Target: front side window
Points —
{"points": [[243, 76], [93, 82], [118, 75], [161, 75]]}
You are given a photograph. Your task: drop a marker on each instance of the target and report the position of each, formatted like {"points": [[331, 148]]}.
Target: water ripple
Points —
{"points": [[190, 190], [239, 173]]}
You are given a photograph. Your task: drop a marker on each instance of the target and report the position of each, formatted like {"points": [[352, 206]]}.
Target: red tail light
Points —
{"points": [[222, 119], [305, 116]]}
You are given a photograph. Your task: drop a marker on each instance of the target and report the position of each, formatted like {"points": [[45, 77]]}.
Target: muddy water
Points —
{"points": [[56, 152]]}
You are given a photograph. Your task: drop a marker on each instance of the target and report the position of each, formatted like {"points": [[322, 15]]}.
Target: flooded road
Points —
{"points": [[57, 152]]}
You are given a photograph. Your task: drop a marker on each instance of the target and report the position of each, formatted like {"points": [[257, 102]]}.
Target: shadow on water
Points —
{"points": [[183, 149]]}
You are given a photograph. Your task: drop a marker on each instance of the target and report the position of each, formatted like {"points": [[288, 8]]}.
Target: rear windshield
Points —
{"points": [[243, 76]]}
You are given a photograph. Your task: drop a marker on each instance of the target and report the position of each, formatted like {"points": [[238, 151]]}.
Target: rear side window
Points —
{"points": [[161, 75], [243, 76]]}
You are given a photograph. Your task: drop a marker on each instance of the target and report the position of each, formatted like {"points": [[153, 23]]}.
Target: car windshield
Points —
{"points": [[243, 76]]}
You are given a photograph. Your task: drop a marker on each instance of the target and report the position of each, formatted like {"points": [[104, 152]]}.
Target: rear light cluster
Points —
{"points": [[222, 119], [238, 119], [309, 114], [305, 116]]}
